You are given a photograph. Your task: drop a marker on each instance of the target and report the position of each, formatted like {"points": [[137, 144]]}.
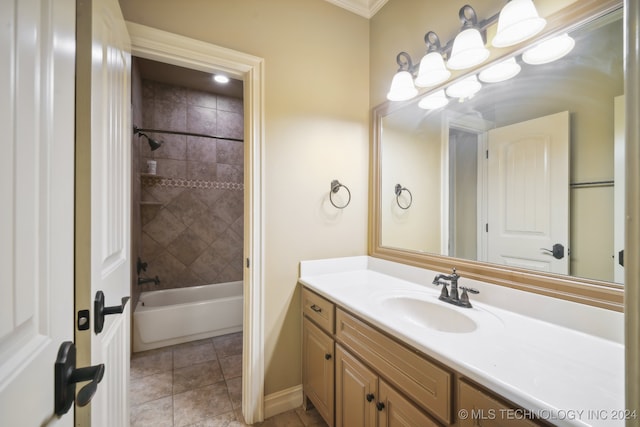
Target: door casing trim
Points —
{"points": [[162, 46]]}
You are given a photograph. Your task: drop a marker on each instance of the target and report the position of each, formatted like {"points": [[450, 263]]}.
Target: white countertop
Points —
{"points": [[564, 376]]}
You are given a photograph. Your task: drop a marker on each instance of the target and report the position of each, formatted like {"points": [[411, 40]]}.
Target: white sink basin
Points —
{"points": [[429, 314]]}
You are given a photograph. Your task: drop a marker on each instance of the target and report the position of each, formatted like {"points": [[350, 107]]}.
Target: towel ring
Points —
{"points": [[399, 189], [335, 187]]}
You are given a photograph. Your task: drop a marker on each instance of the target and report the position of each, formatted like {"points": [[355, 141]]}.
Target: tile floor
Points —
{"points": [[197, 384]]}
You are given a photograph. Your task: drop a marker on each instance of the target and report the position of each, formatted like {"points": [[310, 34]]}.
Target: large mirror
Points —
{"points": [[526, 175]]}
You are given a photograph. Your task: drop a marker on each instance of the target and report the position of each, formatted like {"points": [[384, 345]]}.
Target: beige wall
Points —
{"points": [[316, 110], [412, 160]]}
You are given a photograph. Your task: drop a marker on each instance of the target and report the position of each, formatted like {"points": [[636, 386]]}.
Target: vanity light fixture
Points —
{"points": [[500, 72], [434, 101], [468, 47], [402, 87], [465, 88], [519, 21], [432, 70], [549, 50]]}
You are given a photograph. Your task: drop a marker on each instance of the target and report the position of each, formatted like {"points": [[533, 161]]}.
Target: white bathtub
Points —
{"points": [[174, 316]]}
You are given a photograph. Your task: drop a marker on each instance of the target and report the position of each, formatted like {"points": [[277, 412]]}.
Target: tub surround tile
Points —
{"points": [[170, 168], [230, 173], [202, 99], [199, 404], [173, 147], [202, 171], [182, 157], [197, 375], [230, 124], [190, 355], [187, 278], [187, 247], [202, 149], [201, 120], [157, 413], [187, 207], [230, 152], [165, 227], [234, 105], [169, 116]]}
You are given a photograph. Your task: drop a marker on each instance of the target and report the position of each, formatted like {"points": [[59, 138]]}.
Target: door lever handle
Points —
{"points": [[100, 310], [557, 252], [66, 377]]}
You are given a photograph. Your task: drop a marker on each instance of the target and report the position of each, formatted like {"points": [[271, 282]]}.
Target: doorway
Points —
{"points": [[177, 50]]}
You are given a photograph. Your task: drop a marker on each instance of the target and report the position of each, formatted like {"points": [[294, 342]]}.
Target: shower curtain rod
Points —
{"points": [[173, 132]]}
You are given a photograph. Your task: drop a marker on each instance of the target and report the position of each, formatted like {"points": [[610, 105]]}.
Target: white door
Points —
{"points": [[37, 47], [618, 190], [528, 194], [103, 183]]}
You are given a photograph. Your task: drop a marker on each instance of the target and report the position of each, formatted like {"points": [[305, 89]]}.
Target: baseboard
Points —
{"points": [[282, 401]]}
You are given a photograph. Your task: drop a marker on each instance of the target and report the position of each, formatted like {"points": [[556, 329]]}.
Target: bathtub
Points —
{"points": [[174, 316]]}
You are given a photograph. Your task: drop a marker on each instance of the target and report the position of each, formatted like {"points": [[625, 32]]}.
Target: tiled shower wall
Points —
{"points": [[192, 211]]}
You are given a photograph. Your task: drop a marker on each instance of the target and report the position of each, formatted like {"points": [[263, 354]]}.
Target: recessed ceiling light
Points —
{"points": [[220, 78]]}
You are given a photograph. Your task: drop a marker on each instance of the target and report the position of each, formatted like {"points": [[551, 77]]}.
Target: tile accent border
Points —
{"points": [[190, 183]]}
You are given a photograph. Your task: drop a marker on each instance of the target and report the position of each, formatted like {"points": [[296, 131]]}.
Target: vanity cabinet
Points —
{"points": [[481, 408], [357, 376], [318, 363], [428, 385], [363, 399]]}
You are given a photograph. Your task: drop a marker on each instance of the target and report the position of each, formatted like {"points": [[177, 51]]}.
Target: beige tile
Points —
{"points": [[151, 362], [196, 376], [200, 404], [228, 345], [190, 355], [157, 413], [311, 417], [234, 385], [286, 419], [150, 387], [227, 419], [231, 366]]}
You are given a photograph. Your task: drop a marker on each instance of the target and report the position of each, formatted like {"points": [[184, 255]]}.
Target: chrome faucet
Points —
{"points": [[452, 296]]}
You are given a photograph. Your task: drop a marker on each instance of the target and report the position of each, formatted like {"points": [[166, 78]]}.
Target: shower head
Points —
{"points": [[154, 144]]}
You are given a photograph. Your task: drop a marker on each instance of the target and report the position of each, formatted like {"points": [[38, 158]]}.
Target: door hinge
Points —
{"points": [[487, 154], [248, 263], [486, 227]]}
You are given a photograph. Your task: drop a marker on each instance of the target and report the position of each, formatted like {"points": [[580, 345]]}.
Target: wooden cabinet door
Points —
{"points": [[477, 408], [356, 392], [318, 369], [394, 410]]}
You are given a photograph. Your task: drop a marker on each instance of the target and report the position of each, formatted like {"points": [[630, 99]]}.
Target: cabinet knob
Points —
{"points": [[327, 356], [370, 397], [380, 406]]}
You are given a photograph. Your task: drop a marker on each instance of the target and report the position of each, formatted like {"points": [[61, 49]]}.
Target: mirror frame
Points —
{"points": [[585, 291]]}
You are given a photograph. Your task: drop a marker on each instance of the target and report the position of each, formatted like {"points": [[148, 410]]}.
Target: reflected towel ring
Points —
{"points": [[398, 191], [335, 187]]}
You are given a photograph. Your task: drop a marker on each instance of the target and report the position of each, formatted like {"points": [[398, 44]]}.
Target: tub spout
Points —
{"points": [[142, 281]]}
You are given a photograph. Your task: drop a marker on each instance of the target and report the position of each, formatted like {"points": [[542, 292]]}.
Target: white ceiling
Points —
{"points": [[366, 8]]}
